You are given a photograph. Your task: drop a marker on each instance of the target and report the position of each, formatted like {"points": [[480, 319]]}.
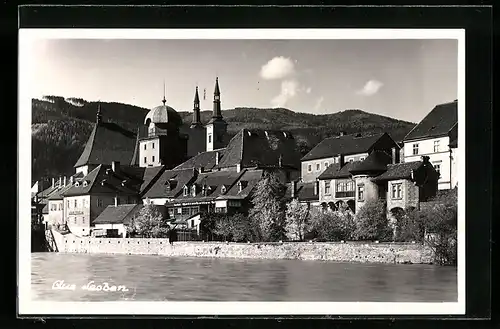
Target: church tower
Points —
{"points": [[196, 123], [216, 128]]}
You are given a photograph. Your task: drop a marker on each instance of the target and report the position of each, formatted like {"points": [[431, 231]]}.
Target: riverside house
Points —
{"points": [[436, 137]]}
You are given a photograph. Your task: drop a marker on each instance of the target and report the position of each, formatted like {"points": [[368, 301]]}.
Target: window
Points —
{"points": [[67, 204], [74, 220], [326, 164], [437, 166], [361, 159], [193, 190], [223, 189], [327, 187], [350, 186], [351, 160], [192, 223], [318, 166], [185, 211], [220, 209], [361, 192], [153, 158], [99, 202], [153, 145], [415, 149], [60, 206], [341, 187], [145, 159], [436, 146], [186, 191], [210, 138], [76, 203], [144, 147], [397, 191], [83, 220], [309, 168]]}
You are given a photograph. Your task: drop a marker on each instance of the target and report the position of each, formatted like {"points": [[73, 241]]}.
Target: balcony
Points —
{"points": [[345, 194]]}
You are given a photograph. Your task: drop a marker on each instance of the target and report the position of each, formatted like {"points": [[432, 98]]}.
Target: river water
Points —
{"points": [[160, 278]]}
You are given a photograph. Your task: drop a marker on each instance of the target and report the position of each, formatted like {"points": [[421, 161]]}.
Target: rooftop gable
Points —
{"points": [[437, 123]]}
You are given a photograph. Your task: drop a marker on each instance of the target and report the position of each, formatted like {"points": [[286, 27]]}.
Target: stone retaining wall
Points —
{"points": [[340, 252]]}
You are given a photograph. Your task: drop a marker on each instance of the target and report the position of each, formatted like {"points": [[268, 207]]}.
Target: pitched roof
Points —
{"points": [[334, 171], [213, 181], [177, 177], [375, 162], [261, 148], [117, 214], [304, 192], [249, 179], [399, 171], [102, 179], [204, 159], [108, 142], [438, 122], [347, 144], [57, 193]]}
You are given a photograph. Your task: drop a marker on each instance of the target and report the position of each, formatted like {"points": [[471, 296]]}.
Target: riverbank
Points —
{"points": [[392, 253]]}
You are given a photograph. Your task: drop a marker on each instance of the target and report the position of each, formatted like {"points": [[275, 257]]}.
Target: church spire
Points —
{"points": [[99, 115], [196, 110], [217, 114], [164, 101]]}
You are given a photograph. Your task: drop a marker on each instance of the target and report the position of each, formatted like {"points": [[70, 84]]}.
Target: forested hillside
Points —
{"points": [[60, 127]]}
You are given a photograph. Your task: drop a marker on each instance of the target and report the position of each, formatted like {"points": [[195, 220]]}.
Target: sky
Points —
{"points": [[403, 79]]}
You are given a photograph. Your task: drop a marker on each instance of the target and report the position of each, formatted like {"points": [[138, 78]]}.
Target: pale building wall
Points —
{"points": [[56, 212], [439, 157], [120, 227], [454, 167], [409, 197], [332, 196], [149, 153], [310, 170], [370, 191], [77, 214], [210, 137]]}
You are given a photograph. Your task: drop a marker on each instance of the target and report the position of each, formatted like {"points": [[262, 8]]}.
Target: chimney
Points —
{"points": [[201, 169], [238, 167], [316, 187], [64, 181], [60, 181], [53, 181], [425, 159], [115, 166], [294, 189], [116, 200], [216, 158], [71, 180], [341, 160], [393, 155]]}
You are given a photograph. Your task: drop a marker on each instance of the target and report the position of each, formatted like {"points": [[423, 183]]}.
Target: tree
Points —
{"points": [[268, 211], [372, 222], [297, 216], [333, 225], [148, 223]]}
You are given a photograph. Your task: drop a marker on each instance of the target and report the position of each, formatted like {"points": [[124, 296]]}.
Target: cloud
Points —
{"points": [[289, 89], [277, 68], [370, 88], [308, 90], [318, 104]]}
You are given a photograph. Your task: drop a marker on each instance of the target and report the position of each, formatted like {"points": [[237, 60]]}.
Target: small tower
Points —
{"points": [[196, 111], [98, 115], [216, 127]]}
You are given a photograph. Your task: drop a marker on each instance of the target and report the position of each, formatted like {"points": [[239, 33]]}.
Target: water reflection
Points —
{"points": [[157, 278]]}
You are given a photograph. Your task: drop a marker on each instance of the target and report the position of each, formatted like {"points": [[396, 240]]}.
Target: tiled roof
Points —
{"points": [[437, 123], [127, 181], [262, 148], [204, 159], [333, 170], [305, 191], [249, 179], [117, 214], [399, 171], [178, 177], [377, 161], [57, 193], [213, 182], [108, 142], [347, 144]]}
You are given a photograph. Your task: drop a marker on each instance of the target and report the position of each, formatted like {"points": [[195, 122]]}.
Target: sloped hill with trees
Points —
{"points": [[61, 127]]}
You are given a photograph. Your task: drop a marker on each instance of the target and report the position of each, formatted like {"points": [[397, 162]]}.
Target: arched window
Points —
{"points": [[223, 189]]}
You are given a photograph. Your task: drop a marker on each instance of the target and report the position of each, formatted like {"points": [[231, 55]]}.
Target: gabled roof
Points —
{"points": [[57, 193], [249, 179], [118, 214], [334, 171], [204, 159], [213, 181], [377, 161], [102, 179], [304, 192], [437, 123], [161, 189], [108, 142], [347, 144], [399, 171], [261, 148]]}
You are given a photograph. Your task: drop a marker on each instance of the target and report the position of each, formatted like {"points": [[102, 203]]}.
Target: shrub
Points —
{"points": [[148, 223], [332, 225], [297, 216], [372, 222]]}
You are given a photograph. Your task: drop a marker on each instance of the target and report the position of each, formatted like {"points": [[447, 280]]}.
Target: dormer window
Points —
{"points": [[193, 191], [241, 185], [109, 171], [167, 186], [204, 190], [223, 189], [85, 184], [77, 184], [186, 190]]}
